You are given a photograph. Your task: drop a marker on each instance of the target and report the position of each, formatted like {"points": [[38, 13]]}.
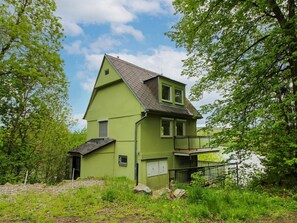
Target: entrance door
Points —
{"points": [[76, 166]]}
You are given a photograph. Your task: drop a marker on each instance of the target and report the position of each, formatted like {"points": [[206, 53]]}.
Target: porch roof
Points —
{"points": [[191, 152], [91, 146]]}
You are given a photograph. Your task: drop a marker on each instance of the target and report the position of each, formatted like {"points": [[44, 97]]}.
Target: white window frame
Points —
{"points": [[170, 126], [107, 128], [182, 96], [170, 92], [184, 126]]}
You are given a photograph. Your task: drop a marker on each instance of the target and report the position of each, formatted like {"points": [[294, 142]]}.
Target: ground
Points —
{"points": [[21, 188], [9, 189]]}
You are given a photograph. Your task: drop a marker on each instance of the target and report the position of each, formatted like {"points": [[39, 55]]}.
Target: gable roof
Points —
{"points": [[135, 78], [91, 146]]}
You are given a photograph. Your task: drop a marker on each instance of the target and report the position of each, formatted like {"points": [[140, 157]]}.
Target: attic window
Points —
{"points": [[166, 93], [178, 96], [106, 72]]}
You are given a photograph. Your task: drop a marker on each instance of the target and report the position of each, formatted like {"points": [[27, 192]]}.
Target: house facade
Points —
{"points": [[139, 125]]}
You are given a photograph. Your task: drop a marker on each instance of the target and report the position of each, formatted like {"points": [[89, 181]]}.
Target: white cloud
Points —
{"points": [[79, 122], [146, 6], [74, 13], [109, 11], [93, 61], [74, 48], [71, 28], [103, 43], [123, 29], [88, 84], [94, 11]]}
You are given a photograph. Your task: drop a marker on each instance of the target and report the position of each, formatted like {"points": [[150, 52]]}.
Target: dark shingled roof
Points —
{"points": [[91, 146], [135, 78]]}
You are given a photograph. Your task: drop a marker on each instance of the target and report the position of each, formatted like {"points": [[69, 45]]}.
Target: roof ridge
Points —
{"points": [[131, 64]]}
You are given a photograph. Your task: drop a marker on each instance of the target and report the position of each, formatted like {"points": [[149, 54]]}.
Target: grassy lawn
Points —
{"points": [[116, 202]]}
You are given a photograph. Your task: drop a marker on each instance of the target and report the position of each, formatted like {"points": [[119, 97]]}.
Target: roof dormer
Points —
{"points": [[171, 92]]}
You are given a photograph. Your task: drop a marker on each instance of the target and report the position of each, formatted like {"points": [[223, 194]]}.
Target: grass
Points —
{"points": [[116, 202]]}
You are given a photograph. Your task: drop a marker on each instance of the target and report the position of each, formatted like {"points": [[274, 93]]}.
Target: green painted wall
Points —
{"points": [[153, 147], [106, 79], [97, 164], [112, 100]]}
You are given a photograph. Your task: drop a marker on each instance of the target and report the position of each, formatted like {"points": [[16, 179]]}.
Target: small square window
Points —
{"points": [[106, 72], [180, 128], [178, 96], [123, 160], [166, 93], [166, 127]]}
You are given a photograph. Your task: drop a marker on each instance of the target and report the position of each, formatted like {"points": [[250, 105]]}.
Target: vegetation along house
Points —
{"points": [[139, 125]]}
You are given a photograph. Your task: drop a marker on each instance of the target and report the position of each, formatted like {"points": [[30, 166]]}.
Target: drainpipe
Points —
{"points": [[135, 148]]}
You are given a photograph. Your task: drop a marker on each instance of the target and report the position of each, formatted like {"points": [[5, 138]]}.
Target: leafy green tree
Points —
{"points": [[33, 91], [247, 50]]}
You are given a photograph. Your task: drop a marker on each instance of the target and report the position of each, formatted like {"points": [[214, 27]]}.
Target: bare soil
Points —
{"points": [[37, 188]]}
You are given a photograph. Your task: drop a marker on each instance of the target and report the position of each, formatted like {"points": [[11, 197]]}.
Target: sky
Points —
{"points": [[131, 29]]}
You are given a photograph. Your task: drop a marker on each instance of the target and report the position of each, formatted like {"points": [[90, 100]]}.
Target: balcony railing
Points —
{"points": [[212, 173], [192, 142]]}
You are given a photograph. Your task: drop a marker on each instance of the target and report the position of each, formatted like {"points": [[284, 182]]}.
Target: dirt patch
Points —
{"points": [[62, 187]]}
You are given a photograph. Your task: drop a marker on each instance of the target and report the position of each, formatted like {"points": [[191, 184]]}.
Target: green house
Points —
{"points": [[139, 125]]}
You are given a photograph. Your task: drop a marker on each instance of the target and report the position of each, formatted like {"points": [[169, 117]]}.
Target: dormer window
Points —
{"points": [[166, 93], [179, 96]]}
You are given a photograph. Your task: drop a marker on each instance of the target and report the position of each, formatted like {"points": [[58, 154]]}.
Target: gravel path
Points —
{"points": [[62, 187]]}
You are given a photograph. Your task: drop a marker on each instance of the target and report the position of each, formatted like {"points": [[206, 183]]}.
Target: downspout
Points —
{"points": [[135, 148]]}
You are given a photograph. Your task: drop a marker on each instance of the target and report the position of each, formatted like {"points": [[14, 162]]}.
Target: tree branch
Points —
{"points": [[250, 47]]}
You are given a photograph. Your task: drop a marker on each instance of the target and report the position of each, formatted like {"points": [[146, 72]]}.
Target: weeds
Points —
{"points": [[116, 202]]}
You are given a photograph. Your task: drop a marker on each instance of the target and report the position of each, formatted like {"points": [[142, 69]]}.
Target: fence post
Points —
{"points": [[237, 178]]}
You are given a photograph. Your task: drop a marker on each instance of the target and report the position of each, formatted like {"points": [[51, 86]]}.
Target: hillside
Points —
{"points": [[113, 200]]}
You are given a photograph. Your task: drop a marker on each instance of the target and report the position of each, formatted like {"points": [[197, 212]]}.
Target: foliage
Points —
{"points": [[246, 50], [198, 179], [33, 95], [116, 202]]}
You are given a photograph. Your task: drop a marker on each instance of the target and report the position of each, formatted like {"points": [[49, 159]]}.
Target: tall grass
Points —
{"points": [[116, 202]]}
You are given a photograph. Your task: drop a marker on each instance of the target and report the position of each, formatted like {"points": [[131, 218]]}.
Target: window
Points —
{"points": [[106, 72], [180, 128], [157, 167], [166, 127], [166, 93], [178, 96], [103, 129], [123, 160]]}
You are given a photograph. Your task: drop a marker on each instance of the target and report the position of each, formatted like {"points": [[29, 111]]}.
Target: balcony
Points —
{"points": [[192, 145]]}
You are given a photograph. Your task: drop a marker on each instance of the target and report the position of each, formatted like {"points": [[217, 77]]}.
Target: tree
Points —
{"points": [[33, 83], [248, 51]]}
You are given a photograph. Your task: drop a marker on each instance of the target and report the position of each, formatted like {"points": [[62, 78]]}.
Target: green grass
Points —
{"points": [[116, 202]]}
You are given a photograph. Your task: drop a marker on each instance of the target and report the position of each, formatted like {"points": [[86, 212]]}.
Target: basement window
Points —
{"points": [[123, 160]]}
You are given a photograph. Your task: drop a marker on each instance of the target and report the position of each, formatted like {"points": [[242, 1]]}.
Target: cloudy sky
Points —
{"points": [[131, 29]]}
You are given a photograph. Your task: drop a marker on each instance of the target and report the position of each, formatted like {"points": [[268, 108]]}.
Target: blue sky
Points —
{"points": [[131, 29]]}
